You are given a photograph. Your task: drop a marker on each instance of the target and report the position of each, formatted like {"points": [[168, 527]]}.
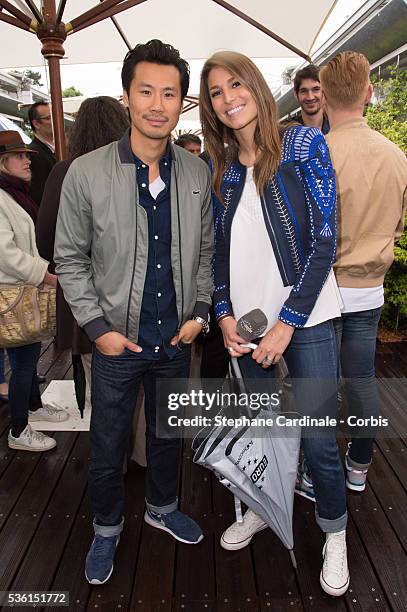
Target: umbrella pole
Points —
{"points": [[293, 559], [53, 35]]}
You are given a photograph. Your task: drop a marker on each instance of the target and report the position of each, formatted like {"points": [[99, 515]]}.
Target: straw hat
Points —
{"points": [[11, 142]]}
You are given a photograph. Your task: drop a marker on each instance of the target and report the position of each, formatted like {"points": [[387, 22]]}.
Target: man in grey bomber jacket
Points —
{"points": [[133, 249]]}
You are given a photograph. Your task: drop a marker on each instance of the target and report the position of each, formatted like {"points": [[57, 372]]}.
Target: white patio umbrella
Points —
{"points": [[258, 28]]}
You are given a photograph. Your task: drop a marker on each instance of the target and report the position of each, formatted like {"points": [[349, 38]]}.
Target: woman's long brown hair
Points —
{"points": [[266, 136]]}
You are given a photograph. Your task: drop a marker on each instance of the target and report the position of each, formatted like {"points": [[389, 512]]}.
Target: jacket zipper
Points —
{"points": [[179, 248], [132, 275], [275, 240]]}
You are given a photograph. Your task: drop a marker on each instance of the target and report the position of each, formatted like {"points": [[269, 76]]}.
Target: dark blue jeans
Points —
{"points": [[115, 386], [356, 338], [312, 362], [24, 391]]}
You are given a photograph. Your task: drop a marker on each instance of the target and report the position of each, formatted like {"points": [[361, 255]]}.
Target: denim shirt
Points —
{"points": [[299, 211], [158, 314]]}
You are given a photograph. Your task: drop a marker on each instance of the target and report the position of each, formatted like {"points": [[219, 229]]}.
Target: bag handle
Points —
{"points": [[15, 303]]}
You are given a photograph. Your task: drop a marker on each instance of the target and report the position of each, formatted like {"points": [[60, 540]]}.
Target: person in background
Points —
{"points": [[275, 242], [190, 142], [99, 121], [371, 174], [308, 91], [39, 115], [20, 263]]}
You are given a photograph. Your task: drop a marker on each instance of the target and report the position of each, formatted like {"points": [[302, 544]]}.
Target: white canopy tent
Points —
{"points": [[198, 28]]}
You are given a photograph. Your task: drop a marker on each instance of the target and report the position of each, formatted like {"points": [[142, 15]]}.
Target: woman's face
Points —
{"points": [[232, 102], [18, 164]]}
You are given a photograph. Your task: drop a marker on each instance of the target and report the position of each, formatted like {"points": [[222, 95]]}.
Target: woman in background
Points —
{"points": [[20, 263]]}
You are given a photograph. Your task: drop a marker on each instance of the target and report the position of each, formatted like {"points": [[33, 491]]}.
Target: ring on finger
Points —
{"points": [[267, 361]]}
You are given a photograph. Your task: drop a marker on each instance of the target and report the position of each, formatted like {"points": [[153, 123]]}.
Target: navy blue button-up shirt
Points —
{"points": [[158, 315]]}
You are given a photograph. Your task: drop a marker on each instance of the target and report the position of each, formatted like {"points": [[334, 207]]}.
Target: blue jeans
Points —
{"points": [[311, 358], [24, 391], [356, 338], [115, 386]]}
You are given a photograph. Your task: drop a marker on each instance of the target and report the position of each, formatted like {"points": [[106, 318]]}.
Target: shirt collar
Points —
{"points": [[50, 145], [350, 123], [166, 158]]}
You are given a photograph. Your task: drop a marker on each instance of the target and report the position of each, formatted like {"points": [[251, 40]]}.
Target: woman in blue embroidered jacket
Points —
{"points": [[274, 200]]}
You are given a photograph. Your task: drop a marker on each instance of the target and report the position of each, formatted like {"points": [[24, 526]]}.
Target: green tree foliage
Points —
{"points": [[389, 116], [71, 92]]}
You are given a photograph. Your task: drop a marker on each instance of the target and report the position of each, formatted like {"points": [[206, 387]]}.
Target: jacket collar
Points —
{"points": [[126, 154]]}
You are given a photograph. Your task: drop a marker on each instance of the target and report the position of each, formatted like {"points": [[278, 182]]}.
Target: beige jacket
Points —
{"points": [[371, 175], [20, 262]]}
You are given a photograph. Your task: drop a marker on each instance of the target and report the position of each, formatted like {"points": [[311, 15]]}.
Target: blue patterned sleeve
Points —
{"points": [[221, 294], [314, 167]]}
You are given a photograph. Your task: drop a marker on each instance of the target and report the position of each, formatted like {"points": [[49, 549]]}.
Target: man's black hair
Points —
{"points": [[33, 112], [185, 138], [156, 52], [309, 72]]}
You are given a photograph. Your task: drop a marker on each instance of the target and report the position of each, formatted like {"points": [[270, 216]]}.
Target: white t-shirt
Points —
{"points": [[356, 299], [255, 280], [156, 187]]}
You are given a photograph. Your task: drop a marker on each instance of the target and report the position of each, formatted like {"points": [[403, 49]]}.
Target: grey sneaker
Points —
{"points": [[304, 485], [355, 479], [31, 440], [48, 413]]}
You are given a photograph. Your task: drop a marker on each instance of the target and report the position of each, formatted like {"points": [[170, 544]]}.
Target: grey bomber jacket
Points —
{"points": [[101, 241]]}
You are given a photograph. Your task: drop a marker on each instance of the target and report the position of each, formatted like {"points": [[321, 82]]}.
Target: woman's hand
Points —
{"points": [[231, 338], [50, 279], [273, 345]]}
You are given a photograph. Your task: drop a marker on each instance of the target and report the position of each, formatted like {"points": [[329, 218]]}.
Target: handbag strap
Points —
{"points": [[16, 301]]}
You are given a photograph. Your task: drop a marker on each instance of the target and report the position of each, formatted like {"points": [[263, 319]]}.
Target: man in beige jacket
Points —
{"points": [[371, 175]]}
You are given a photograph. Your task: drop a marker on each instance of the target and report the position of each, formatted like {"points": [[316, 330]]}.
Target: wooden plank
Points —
{"points": [[382, 545], [37, 571], [195, 572], [27, 502], [70, 575], [235, 576], [281, 605], [391, 495], [395, 452], [117, 591]]}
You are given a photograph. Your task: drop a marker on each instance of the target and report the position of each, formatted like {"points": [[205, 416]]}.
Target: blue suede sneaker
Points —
{"points": [[99, 560], [179, 525], [304, 485]]}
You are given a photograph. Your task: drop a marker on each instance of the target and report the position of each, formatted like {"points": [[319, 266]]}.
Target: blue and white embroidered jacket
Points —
{"points": [[299, 209]]}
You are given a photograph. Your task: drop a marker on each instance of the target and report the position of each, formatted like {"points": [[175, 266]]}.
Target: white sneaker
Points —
{"points": [[239, 535], [334, 576], [31, 440], [48, 413]]}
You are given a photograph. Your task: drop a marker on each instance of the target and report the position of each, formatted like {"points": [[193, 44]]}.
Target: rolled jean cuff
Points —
{"points": [[356, 465], [107, 531], [163, 509], [331, 525]]}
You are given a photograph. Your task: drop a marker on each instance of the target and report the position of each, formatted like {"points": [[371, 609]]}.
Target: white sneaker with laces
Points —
{"points": [[334, 576], [239, 535], [31, 440], [48, 413]]}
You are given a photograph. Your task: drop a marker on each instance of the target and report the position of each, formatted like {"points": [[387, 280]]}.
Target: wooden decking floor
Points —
{"points": [[45, 530]]}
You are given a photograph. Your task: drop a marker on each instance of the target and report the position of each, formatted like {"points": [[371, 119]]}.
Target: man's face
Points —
{"points": [[193, 147], [309, 96], [154, 100], [43, 123]]}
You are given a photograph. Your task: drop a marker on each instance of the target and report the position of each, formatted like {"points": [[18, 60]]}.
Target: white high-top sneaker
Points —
{"points": [[334, 576], [31, 440], [239, 535]]}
